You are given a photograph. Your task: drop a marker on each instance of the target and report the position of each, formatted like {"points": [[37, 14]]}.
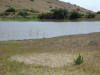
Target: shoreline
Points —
{"points": [[26, 55], [16, 18], [73, 35]]}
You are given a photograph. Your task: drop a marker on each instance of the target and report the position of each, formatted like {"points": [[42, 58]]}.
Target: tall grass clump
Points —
{"points": [[79, 60]]}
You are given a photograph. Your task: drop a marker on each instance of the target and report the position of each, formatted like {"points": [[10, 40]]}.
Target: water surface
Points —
{"points": [[16, 30]]}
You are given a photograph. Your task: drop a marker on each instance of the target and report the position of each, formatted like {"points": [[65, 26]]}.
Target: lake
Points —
{"points": [[20, 30]]}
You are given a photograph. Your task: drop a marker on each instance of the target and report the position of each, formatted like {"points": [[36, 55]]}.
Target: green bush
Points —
{"points": [[33, 11], [45, 16], [11, 10], [90, 15], [23, 13], [59, 13], [79, 60], [74, 15], [98, 12], [31, 0], [4, 14], [54, 14]]}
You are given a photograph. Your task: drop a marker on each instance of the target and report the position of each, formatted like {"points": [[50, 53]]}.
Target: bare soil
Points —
{"points": [[45, 59]]}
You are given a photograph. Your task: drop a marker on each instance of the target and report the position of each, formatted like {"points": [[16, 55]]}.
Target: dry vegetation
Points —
{"points": [[52, 56], [38, 5]]}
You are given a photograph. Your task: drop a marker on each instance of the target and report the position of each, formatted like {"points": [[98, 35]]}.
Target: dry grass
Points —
{"points": [[45, 59], [51, 56], [38, 5]]}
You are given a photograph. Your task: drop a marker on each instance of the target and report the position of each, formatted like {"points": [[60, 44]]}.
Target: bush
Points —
{"points": [[10, 10], [54, 14], [23, 13], [34, 11], [79, 60], [98, 12], [74, 15], [90, 15], [31, 0], [4, 14], [45, 16], [59, 13]]}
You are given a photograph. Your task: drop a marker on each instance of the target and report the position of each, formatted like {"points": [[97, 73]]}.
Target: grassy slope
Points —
{"points": [[87, 45], [38, 5]]}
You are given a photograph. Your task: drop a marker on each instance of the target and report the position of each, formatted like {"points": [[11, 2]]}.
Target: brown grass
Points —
{"points": [[45, 59], [38, 5], [51, 56]]}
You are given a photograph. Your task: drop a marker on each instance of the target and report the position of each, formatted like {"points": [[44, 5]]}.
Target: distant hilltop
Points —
{"points": [[38, 5]]}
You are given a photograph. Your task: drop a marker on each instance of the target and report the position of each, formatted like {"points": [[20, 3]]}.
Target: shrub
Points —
{"points": [[98, 12], [45, 16], [11, 10], [4, 14], [90, 15], [31, 0], [79, 60], [23, 13], [74, 15], [54, 14], [59, 13], [33, 11]]}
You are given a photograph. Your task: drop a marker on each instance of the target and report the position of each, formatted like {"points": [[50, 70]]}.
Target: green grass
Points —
{"points": [[34, 18], [19, 18]]}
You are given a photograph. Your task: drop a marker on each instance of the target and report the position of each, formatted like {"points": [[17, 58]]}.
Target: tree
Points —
{"points": [[90, 15], [54, 14], [59, 13], [74, 15], [11, 9], [23, 13]]}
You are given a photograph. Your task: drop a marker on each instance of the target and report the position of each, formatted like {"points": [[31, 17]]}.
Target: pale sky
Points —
{"points": [[93, 5]]}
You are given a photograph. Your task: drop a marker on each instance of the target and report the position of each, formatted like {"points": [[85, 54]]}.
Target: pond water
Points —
{"points": [[16, 30]]}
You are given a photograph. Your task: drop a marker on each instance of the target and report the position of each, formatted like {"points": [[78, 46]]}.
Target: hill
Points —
{"points": [[38, 5]]}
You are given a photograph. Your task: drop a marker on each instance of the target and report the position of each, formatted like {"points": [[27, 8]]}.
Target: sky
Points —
{"points": [[93, 5]]}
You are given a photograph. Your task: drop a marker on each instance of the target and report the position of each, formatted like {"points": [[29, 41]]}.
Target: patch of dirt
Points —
{"points": [[45, 59]]}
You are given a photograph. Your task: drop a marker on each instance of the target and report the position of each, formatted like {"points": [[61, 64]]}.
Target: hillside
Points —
{"points": [[38, 5]]}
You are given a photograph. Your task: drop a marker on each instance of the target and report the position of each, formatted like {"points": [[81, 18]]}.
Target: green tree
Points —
{"points": [[59, 13], [90, 15], [11, 9], [23, 13], [74, 15], [45, 16], [54, 14]]}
